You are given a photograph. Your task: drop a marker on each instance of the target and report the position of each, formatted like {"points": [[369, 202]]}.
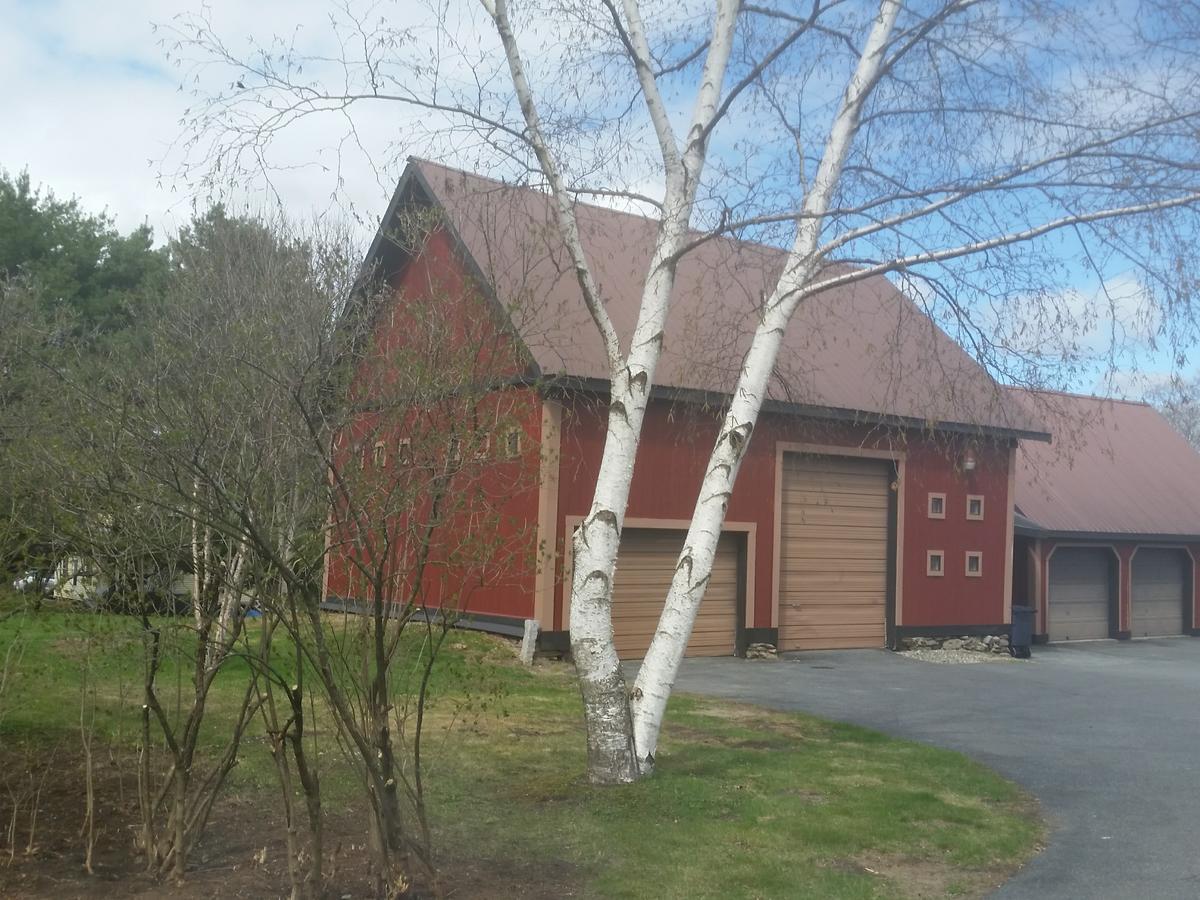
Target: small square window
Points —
{"points": [[454, 452], [512, 443], [379, 455], [404, 451], [935, 563], [974, 565], [975, 507], [937, 506]]}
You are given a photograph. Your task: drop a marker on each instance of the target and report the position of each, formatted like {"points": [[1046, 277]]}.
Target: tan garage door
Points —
{"points": [[1078, 603], [833, 552], [1159, 582], [645, 566]]}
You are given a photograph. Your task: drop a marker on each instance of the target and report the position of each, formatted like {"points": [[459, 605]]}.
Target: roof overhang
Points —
{"points": [[600, 386], [1110, 537], [1027, 527]]}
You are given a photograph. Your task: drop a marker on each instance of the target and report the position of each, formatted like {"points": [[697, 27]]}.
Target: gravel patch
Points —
{"points": [[955, 657]]}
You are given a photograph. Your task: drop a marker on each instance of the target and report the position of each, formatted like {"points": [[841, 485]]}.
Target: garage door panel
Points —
{"points": [[833, 552], [826, 580], [1079, 599], [849, 613], [847, 499], [645, 566], [1159, 584], [872, 538], [822, 550], [867, 519], [841, 638]]}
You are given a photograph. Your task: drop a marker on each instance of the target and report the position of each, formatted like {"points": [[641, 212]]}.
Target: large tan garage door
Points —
{"points": [[1078, 603], [833, 552], [645, 566], [1159, 581]]}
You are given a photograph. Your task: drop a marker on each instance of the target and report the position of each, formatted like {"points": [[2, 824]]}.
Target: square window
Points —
{"points": [[974, 565], [937, 506], [975, 507], [935, 563], [512, 443]]}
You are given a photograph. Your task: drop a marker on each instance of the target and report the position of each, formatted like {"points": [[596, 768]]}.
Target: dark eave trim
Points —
{"points": [[1110, 537], [600, 387]]}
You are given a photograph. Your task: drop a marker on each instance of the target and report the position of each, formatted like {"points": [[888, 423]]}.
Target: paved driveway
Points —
{"points": [[1105, 734]]}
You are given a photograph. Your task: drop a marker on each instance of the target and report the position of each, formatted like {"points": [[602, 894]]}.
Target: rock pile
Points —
{"points": [[991, 643], [762, 651]]}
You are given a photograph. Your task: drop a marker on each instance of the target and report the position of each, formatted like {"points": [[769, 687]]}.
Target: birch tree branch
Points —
{"points": [[568, 224]]}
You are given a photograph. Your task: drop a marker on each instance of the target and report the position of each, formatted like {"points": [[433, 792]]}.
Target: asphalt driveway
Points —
{"points": [[1105, 734]]}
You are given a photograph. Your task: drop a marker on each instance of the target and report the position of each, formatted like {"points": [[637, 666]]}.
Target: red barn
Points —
{"points": [[877, 497]]}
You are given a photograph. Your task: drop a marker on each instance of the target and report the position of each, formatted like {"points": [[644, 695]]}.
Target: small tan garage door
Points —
{"points": [[645, 566], [1159, 582], [1078, 603], [833, 552]]}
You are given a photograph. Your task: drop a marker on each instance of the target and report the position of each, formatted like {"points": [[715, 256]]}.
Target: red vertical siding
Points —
{"points": [[435, 283], [677, 439], [954, 598]]}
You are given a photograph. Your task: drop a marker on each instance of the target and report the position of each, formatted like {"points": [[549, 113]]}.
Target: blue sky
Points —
{"points": [[93, 108]]}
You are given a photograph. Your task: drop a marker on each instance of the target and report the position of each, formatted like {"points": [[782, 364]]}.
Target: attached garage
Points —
{"points": [[1080, 595], [645, 565], [833, 545], [1160, 584]]}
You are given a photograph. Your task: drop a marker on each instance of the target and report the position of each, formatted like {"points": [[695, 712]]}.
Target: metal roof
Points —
{"points": [[863, 347], [1114, 468]]}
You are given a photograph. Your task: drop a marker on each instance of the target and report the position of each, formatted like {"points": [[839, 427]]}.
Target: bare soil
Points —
{"points": [[242, 854]]}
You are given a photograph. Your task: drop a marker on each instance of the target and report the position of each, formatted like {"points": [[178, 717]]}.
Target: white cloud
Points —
{"points": [[92, 106]]}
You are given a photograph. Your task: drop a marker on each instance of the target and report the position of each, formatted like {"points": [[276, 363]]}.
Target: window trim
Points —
{"points": [[971, 497], [978, 555], [935, 495], [511, 451], [929, 569]]}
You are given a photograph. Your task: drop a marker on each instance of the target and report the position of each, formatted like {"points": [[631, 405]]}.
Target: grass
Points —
{"points": [[745, 802]]}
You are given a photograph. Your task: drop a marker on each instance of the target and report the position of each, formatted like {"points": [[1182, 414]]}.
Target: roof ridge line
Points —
{"points": [[1076, 394]]}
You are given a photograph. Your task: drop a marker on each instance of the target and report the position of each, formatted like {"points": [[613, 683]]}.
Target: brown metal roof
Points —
{"points": [[1114, 467], [864, 348]]}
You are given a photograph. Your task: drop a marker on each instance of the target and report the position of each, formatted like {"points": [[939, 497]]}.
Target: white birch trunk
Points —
{"points": [[612, 753], [657, 674], [612, 758], [229, 605]]}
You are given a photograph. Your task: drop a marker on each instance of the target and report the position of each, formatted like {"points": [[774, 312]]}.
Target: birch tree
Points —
{"points": [[987, 156]]}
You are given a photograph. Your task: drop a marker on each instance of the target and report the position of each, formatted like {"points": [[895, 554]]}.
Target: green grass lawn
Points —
{"points": [[745, 802]]}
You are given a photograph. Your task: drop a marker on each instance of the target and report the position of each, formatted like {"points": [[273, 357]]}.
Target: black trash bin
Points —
{"points": [[1021, 639]]}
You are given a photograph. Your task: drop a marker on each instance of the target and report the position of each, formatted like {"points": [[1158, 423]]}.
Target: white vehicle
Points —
{"points": [[33, 580]]}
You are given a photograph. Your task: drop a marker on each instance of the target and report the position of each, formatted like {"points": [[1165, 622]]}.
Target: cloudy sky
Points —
{"points": [[93, 105]]}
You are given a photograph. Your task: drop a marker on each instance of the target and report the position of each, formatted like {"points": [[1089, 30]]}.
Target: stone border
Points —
{"points": [[992, 643]]}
